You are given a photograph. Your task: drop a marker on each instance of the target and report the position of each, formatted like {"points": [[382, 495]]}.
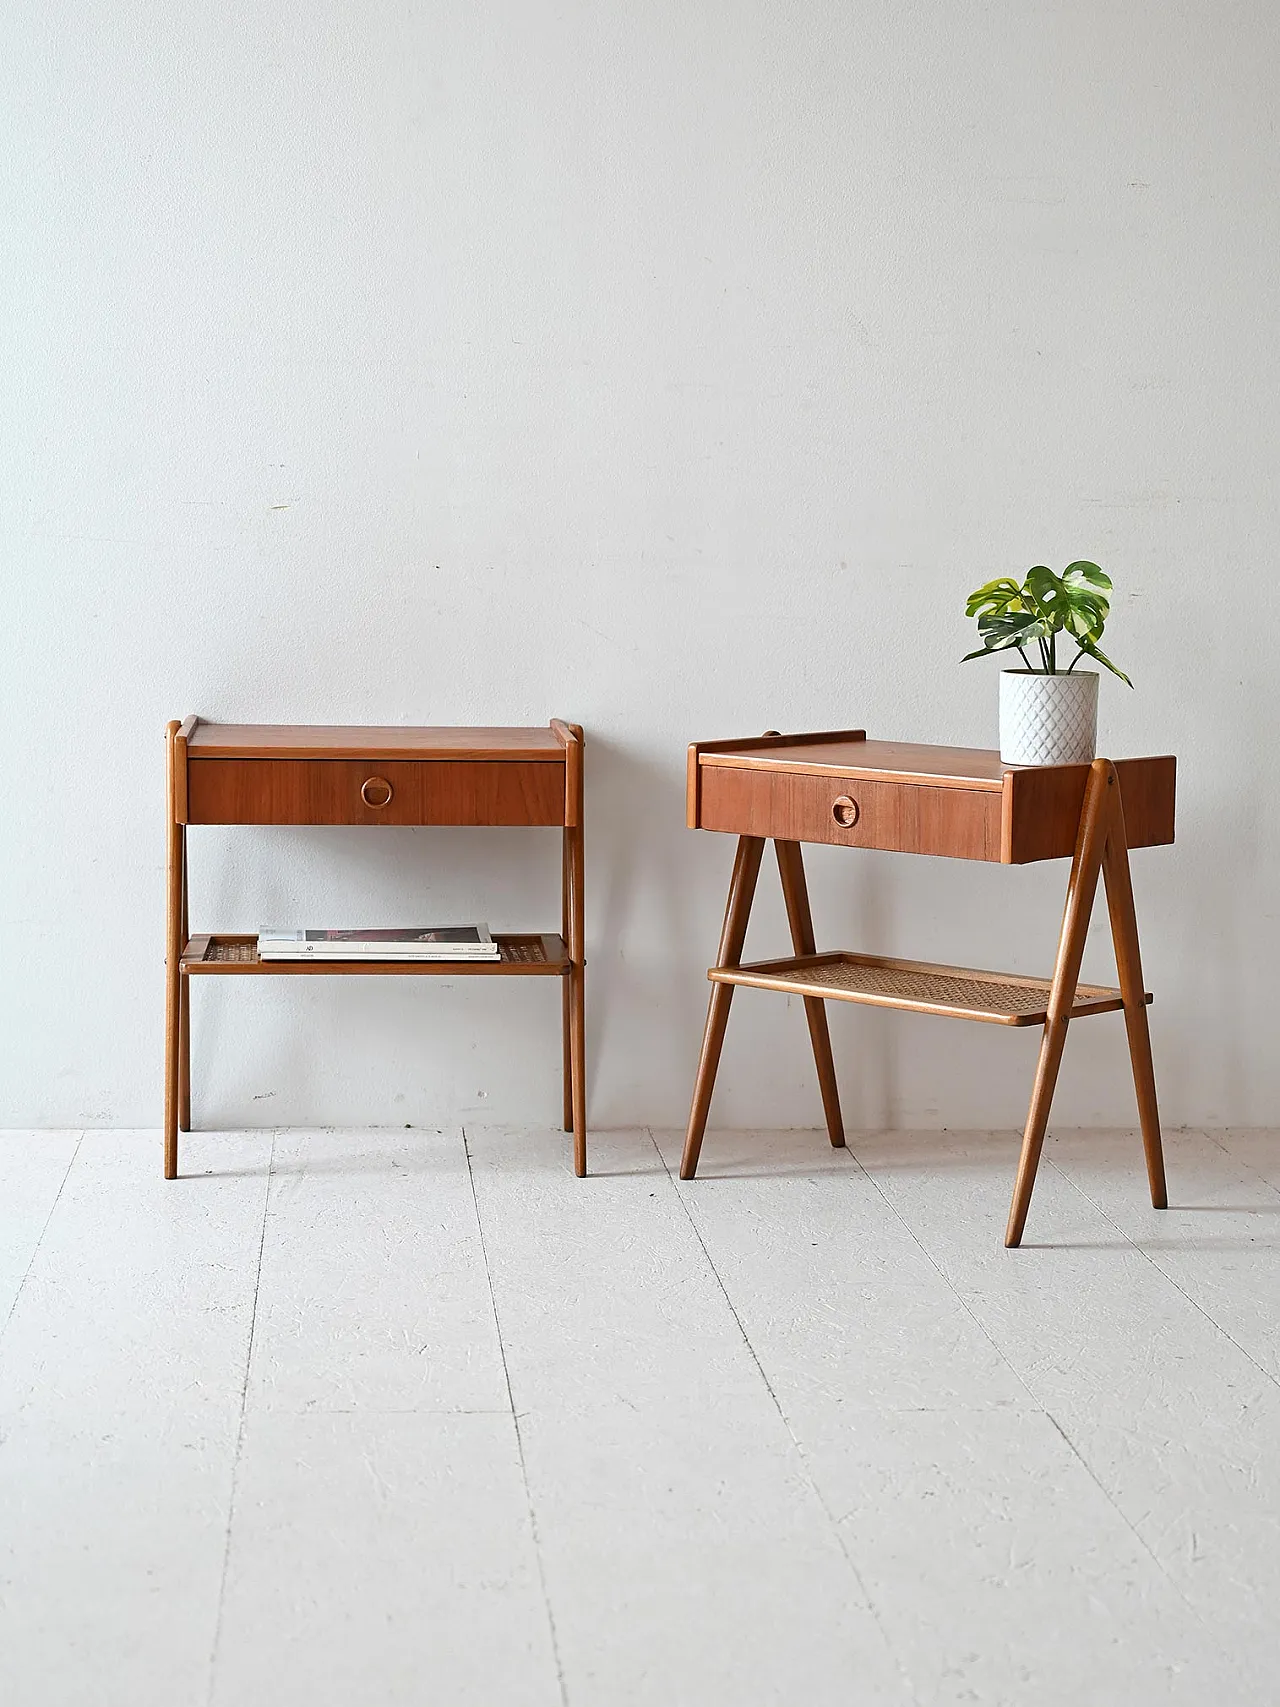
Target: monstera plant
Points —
{"points": [[1049, 714]]}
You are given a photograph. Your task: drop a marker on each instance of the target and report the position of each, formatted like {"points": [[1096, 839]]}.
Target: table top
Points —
{"points": [[333, 741], [848, 755]]}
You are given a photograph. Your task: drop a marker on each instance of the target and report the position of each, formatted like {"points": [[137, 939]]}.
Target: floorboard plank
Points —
{"points": [[121, 1379]]}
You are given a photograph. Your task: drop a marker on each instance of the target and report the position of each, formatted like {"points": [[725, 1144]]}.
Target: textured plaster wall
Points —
{"points": [[675, 368]]}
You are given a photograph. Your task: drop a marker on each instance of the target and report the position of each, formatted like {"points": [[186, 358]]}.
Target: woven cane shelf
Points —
{"points": [[518, 955], [1000, 998]]}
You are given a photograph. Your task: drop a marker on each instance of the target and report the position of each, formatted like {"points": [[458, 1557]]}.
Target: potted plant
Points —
{"points": [[1049, 715]]}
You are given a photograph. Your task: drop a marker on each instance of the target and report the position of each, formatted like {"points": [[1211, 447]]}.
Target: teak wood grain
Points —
{"points": [[1042, 806], [337, 741], [901, 817], [962, 802], [841, 789], [329, 791], [848, 751], [795, 893], [225, 773]]}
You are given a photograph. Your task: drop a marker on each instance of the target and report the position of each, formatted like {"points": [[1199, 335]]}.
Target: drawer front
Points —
{"points": [[850, 812], [373, 791]]}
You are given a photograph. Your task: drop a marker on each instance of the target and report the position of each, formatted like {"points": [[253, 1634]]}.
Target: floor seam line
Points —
{"points": [[1093, 1476], [35, 1249], [244, 1399], [872, 1608], [942, 1275], [1034, 1397], [515, 1423], [1165, 1275], [1239, 1161]]}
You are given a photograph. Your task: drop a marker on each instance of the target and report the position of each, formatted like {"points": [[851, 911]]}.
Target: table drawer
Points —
{"points": [[851, 812], [373, 791]]}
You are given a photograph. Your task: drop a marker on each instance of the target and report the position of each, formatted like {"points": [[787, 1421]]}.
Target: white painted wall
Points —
{"points": [[676, 368]]}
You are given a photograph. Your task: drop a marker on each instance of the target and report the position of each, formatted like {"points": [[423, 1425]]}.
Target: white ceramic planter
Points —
{"points": [[1048, 720]]}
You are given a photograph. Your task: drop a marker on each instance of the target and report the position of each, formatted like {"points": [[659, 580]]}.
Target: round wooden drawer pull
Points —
{"points": [[376, 792], [844, 811]]}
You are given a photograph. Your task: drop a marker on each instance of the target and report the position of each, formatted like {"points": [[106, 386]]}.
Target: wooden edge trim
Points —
{"points": [[180, 735], [372, 753], [765, 764], [798, 962], [556, 950], [1006, 819], [741, 975], [571, 738], [890, 963], [195, 950], [1088, 1001], [693, 790], [170, 768], [753, 743]]}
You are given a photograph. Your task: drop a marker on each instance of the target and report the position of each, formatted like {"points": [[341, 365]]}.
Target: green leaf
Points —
{"points": [[1091, 651], [1001, 643], [997, 595], [1075, 603], [1024, 624], [1084, 620], [1090, 572], [1043, 583]]}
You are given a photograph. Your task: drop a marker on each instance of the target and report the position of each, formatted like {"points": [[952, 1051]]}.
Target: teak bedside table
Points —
{"points": [[840, 788], [227, 773]]}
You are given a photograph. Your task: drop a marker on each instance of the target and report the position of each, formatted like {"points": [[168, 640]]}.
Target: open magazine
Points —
{"points": [[425, 942]]}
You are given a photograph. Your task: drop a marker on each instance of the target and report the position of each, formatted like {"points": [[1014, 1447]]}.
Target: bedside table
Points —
{"points": [[226, 773], [964, 803]]}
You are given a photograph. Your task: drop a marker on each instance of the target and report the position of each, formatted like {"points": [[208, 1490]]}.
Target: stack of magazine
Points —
{"points": [[438, 942]]}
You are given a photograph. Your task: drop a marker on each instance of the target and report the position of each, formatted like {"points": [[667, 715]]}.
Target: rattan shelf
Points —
{"points": [[1000, 998], [519, 956]]}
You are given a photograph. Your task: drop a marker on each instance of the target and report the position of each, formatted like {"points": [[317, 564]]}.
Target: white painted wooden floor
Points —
{"points": [[368, 1418]]}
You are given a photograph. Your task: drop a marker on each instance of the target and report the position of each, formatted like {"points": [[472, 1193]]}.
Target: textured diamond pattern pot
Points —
{"points": [[1048, 720]]}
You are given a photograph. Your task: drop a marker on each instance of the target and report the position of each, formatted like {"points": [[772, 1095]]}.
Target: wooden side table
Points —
{"points": [[839, 788], [225, 773]]}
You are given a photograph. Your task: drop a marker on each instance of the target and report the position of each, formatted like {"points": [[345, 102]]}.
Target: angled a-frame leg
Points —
{"points": [[742, 888], [1124, 933], [1101, 846], [796, 894]]}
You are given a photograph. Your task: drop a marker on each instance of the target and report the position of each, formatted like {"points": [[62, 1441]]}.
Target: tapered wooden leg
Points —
{"points": [[173, 978], [1124, 933], [1051, 1047], [184, 1013], [796, 894], [566, 1013], [566, 1002], [742, 888], [1095, 824], [578, 1068], [577, 1002]]}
